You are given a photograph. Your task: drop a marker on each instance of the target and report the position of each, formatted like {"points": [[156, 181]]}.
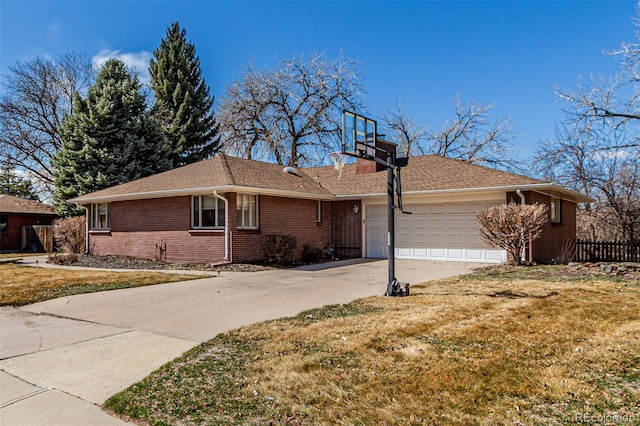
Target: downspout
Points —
{"points": [[522, 203], [226, 223], [86, 227]]}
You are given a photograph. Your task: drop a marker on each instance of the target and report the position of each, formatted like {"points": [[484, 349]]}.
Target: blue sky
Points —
{"points": [[423, 54]]}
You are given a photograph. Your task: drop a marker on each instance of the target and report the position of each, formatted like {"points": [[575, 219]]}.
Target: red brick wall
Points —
{"points": [[555, 236], [139, 227], [12, 238], [278, 215], [346, 231]]}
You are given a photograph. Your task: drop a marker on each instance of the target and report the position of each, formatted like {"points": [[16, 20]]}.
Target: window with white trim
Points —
{"points": [[100, 216], [247, 209], [319, 211], [555, 210], [207, 212]]}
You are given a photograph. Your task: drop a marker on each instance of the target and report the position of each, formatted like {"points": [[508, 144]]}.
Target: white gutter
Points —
{"points": [[531, 187], [523, 256], [226, 223], [572, 195]]}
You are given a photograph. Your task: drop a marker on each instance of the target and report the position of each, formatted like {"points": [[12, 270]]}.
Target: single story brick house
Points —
{"points": [[219, 209], [16, 214]]}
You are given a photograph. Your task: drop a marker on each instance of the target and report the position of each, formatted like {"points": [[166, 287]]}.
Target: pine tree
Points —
{"points": [[110, 138], [182, 101], [13, 184]]}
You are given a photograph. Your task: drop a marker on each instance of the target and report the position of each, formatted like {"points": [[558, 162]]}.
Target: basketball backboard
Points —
{"points": [[358, 135]]}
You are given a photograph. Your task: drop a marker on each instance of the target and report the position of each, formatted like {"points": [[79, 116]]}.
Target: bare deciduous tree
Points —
{"points": [[291, 115], [38, 94], [596, 150], [407, 133], [512, 226], [473, 137], [617, 98]]}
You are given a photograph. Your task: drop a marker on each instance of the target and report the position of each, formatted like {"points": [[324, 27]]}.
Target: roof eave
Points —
{"points": [[547, 188], [541, 187], [195, 191], [39, 213]]}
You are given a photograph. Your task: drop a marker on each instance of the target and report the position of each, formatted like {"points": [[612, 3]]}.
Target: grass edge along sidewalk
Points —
{"points": [[23, 285], [527, 346]]}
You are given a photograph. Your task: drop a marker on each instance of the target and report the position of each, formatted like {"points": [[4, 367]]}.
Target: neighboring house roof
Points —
{"points": [[11, 204], [422, 175]]}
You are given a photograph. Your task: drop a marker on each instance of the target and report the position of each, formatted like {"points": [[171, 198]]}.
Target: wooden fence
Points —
{"points": [[593, 251], [37, 238]]}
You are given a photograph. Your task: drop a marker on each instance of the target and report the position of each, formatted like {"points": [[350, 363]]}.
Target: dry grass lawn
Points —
{"points": [[22, 285], [489, 349]]}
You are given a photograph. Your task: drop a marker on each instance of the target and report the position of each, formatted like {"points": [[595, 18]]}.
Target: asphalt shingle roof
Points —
{"points": [[423, 173], [11, 204], [219, 171]]}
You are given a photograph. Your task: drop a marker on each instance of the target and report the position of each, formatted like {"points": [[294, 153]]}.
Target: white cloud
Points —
{"points": [[137, 61]]}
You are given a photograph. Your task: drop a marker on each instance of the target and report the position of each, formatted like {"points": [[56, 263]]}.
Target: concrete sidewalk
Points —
{"points": [[62, 358]]}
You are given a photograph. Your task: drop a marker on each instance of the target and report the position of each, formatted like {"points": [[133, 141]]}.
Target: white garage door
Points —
{"points": [[434, 232]]}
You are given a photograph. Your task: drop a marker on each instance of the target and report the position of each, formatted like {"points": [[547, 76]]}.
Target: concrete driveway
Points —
{"points": [[62, 358]]}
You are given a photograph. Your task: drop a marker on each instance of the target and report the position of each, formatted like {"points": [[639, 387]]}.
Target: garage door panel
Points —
{"points": [[455, 254], [433, 231], [474, 255]]}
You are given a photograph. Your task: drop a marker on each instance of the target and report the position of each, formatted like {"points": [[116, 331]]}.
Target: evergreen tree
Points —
{"points": [[110, 138], [12, 184], [182, 101]]}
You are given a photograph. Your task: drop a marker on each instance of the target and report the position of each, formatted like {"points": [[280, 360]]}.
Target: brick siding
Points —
{"points": [[278, 215], [555, 236], [140, 228]]}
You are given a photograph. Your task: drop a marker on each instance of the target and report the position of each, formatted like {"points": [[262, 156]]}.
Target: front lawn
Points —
{"points": [[508, 346], [23, 285]]}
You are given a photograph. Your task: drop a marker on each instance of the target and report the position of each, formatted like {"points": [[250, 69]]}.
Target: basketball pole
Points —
{"points": [[359, 132], [391, 234]]}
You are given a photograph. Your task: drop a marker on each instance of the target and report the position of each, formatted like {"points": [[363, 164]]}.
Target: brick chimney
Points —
{"points": [[368, 166]]}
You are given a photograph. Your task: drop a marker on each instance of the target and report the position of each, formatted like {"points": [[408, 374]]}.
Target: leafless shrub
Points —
{"points": [[278, 249], [567, 252], [311, 254], [63, 259], [512, 226], [69, 234]]}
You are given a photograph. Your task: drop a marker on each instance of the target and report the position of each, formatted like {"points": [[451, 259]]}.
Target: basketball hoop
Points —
{"points": [[338, 159]]}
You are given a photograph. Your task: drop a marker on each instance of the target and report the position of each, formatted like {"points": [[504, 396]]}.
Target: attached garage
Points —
{"points": [[435, 231]]}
